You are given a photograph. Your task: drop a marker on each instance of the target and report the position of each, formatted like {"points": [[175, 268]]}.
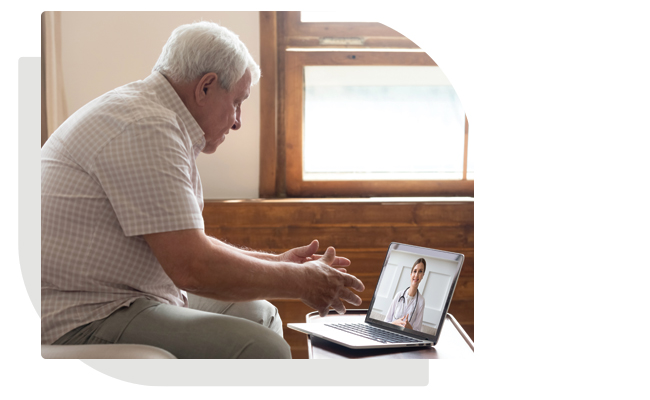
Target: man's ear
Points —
{"points": [[208, 82]]}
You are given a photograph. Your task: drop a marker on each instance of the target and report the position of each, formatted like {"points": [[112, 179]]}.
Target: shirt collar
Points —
{"points": [[170, 99]]}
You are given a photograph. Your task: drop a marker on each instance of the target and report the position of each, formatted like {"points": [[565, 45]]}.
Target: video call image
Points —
{"points": [[412, 291]]}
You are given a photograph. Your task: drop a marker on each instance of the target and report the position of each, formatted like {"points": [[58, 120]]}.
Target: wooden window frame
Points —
{"points": [[287, 47], [311, 34]]}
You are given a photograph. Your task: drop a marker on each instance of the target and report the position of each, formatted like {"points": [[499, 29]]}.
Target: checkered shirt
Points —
{"points": [[122, 166]]}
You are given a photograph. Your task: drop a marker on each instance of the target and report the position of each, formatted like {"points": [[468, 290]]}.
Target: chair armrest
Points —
{"points": [[104, 351]]}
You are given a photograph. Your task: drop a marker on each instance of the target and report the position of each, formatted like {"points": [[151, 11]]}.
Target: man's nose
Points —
{"points": [[237, 123]]}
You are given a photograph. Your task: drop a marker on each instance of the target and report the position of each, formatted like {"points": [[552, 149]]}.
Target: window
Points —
{"points": [[378, 112], [361, 111]]}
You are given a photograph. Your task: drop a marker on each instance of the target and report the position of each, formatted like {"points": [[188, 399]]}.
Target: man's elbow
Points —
{"points": [[185, 277], [182, 255]]}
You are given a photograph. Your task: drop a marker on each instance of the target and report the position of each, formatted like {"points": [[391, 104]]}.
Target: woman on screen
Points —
{"points": [[407, 308]]}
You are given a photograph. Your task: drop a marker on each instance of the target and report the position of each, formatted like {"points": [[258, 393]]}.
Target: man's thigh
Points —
{"points": [[259, 311], [189, 333]]}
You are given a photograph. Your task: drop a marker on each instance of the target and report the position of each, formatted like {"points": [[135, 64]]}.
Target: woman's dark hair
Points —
{"points": [[418, 261]]}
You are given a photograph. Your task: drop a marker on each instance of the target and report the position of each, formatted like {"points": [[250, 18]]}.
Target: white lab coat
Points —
{"points": [[398, 309]]}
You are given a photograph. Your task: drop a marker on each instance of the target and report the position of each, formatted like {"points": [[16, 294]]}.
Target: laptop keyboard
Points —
{"points": [[376, 334]]}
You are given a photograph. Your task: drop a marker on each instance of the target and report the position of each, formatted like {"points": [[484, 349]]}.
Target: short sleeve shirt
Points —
{"points": [[122, 166]]}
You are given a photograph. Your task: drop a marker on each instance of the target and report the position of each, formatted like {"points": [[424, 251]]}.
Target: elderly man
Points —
{"points": [[124, 255]]}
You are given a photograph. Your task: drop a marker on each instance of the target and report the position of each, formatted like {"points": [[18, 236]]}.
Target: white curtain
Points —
{"points": [[54, 107]]}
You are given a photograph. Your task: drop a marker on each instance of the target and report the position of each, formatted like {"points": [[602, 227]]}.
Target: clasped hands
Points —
{"points": [[327, 283], [403, 322]]}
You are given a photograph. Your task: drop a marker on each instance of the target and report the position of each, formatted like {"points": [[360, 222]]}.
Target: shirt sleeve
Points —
{"points": [[146, 173]]}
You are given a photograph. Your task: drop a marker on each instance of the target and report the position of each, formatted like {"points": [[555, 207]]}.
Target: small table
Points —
{"points": [[453, 343]]}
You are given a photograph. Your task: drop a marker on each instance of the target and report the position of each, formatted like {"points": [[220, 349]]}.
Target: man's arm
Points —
{"points": [[298, 255], [207, 267]]}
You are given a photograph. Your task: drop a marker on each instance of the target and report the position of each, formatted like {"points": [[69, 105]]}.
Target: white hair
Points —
{"points": [[196, 49]]}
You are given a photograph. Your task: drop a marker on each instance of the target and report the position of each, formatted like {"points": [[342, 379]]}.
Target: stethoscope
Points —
{"points": [[402, 298]]}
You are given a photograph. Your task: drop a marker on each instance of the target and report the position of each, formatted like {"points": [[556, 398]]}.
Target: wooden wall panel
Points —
{"points": [[360, 230], [341, 237], [336, 213], [269, 100]]}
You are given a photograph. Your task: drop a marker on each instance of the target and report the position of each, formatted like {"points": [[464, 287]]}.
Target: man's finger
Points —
{"points": [[342, 261], [338, 261], [350, 297], [307, 251], [354, 283], [329, 256], [338, 306]]}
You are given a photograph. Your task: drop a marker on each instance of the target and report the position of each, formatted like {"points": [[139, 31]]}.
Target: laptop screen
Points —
{"points": [[415, 289]]}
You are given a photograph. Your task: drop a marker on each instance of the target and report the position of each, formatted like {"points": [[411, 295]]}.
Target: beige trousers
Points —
{"points": [[208, 329]]}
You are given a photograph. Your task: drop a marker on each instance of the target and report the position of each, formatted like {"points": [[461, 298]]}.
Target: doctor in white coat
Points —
{"points": [[407, 308]]}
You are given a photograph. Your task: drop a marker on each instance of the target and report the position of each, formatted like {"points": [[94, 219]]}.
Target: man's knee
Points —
{"points": [[270, 346], [272, 318], [263, 343], [260, 311]]}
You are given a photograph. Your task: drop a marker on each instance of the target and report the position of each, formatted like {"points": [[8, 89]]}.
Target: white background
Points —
{"points": [[556, 93]]}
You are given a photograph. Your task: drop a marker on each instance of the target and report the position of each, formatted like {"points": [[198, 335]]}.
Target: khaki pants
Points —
{"points": [[208, 329]]}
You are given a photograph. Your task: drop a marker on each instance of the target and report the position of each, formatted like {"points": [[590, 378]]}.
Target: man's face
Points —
{"points": [[224, 112]]}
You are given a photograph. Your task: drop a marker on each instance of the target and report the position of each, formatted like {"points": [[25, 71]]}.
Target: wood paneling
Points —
{"points": [[268, 98], [339, 213], [340, 237], [360, 230]]}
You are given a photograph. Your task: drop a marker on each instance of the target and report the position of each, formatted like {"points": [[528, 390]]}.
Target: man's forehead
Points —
{"points": [[243, 94], [243, 86]]}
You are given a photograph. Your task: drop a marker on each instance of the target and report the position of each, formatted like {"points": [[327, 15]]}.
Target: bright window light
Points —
{"points": [[381, 122]]}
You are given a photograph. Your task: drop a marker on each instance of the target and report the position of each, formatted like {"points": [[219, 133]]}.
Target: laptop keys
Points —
{"points": [[373, 333]]}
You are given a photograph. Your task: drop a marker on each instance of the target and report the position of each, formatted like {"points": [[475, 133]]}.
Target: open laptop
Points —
{"points": [[427, 309]]}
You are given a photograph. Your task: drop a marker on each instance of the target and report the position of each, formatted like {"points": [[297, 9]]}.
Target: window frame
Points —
{"points": [[289, 45]]}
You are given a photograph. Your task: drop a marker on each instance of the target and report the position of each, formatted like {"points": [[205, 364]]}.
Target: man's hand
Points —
{"points": [[305, 254], [327, 286]]}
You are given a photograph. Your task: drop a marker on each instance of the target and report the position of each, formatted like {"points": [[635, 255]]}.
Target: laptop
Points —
{"points": [[399, 316]]}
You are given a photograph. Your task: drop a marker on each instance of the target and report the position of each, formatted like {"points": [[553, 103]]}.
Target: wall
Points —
{"points": [[103, 50]]}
